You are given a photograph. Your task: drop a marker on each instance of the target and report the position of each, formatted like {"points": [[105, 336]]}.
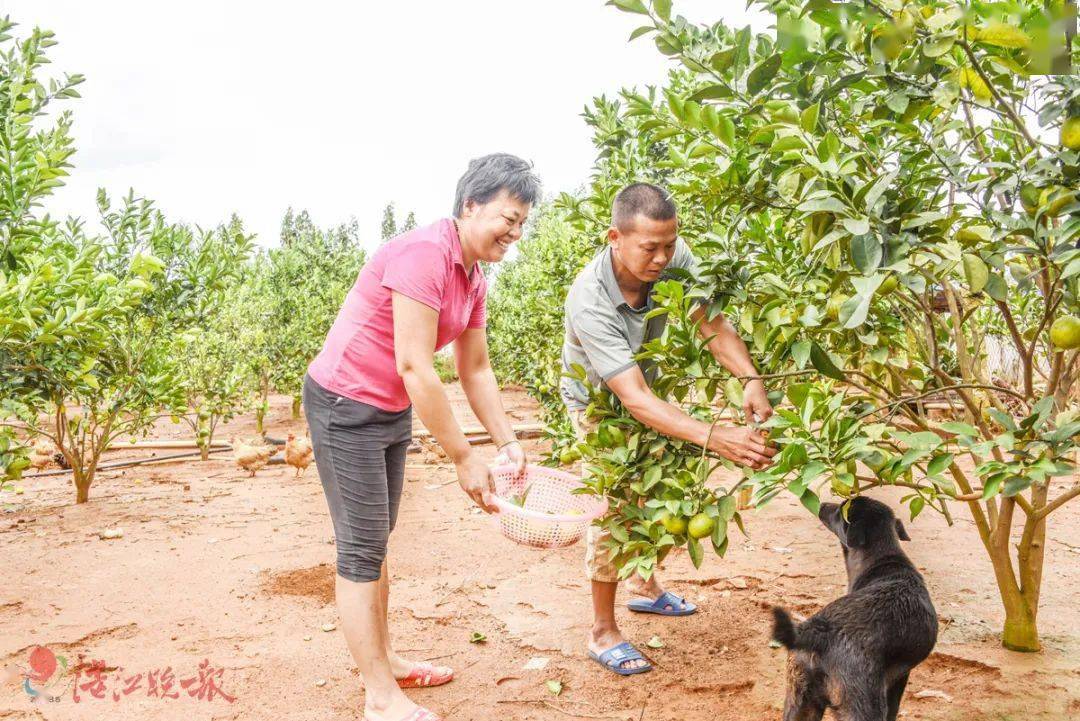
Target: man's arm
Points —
{"points": [[742, 445], [729, 349]]}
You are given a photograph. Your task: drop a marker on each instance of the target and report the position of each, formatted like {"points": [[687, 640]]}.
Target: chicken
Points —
{"points": [[251, 457], [298, 453], [434, 453], [42, 454]]}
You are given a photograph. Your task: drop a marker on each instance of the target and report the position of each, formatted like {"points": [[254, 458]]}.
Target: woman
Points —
{"points": [[416, 294]]}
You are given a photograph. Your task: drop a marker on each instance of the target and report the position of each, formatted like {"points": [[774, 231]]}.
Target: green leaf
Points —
{"points": [[960, 429], [663, 9], [866, 252], [762, 73], [938, 464], [477, 637], [993, 484], [823, 363], [654, 642], [554, 686], [809, 117], [800, 353], [643, 30], [696, 552], [810, 500], [630, 6], [996, 288], [712, 92], [975, 272]]}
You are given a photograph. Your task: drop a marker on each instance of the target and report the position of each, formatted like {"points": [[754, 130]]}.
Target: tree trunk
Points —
{"points": [[295, 408], [1021, 632], [82, 487], [260, 413], [204, 451]]}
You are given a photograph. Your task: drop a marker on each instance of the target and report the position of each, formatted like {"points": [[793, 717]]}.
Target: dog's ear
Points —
{"points": [[901, 531], [856, 536]]}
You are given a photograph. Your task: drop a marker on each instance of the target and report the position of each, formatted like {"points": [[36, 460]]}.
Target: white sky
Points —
{"points": [[210, 108]]}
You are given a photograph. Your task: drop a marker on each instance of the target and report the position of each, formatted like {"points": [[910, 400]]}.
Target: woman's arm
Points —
{"points": [[482, 390], [415, 330]]}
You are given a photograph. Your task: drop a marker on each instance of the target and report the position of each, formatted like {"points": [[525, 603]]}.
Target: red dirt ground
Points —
{"points": [[239, 571]]}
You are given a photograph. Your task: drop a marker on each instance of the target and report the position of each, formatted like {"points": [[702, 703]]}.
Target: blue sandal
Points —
{"points": [[616, 656], [660, 605]]}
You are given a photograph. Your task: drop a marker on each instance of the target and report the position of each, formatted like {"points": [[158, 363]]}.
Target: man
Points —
{"points": [[605, 327]]}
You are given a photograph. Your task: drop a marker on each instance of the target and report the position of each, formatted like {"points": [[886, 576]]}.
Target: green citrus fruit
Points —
{"points": [[675, 525], [1029, 197], [888, 285], [569, 455], [701, 525], [1070, 133], [1055, 199], [1065, 332]]}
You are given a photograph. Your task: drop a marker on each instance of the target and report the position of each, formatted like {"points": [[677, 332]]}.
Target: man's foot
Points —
{"points": [[602, 639], [649, 593]]}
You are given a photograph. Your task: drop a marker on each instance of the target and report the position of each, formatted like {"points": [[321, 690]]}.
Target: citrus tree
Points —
{"points": [[525, 313], [290, 299], [871, 191]]}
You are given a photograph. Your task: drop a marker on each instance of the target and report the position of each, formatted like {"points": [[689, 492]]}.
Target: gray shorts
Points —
{"points": [[360, 455]]}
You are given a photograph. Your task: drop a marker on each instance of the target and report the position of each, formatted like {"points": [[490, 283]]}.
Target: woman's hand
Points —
{"points": [[515, 455], [475, 479], [745, 446]]}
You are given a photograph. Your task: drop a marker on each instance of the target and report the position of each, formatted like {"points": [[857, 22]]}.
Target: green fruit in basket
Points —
{"points": [[701, 525], [675, 525]]}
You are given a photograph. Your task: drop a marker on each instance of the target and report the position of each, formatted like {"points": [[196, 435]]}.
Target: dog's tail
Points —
{"points": [[783, 631], [811, 635]]}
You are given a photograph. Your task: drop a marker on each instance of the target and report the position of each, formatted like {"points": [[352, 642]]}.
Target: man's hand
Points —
{"points": [[745, 446], [756, 402], [475, 479]]}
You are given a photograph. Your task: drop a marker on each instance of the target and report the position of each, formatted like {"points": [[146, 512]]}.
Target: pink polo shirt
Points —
{"points": [[357, 359]]}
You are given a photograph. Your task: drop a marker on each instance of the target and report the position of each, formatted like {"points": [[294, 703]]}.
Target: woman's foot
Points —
{"points": [[602, 638], [390, 705], [418, 674]]}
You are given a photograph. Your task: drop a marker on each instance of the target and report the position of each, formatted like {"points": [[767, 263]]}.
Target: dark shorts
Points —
{"points": [[360, 455]]}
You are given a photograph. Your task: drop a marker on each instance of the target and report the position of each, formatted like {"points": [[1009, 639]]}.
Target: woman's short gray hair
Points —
{"points": [[489, 175]]}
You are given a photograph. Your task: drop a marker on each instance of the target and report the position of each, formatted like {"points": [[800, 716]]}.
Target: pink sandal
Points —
{"points": [[419, 714], [424, 675]]}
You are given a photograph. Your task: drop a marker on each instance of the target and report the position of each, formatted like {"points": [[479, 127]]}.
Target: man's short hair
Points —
{"points": [[489, 175], [646, 199]]}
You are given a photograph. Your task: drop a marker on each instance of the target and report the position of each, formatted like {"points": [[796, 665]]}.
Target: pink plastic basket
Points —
{"points": [[552, 516]]}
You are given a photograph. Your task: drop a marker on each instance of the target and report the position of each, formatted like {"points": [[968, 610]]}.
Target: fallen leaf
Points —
{"points": [[321, 682], [554, 686], [654, 642], [774, 644], [933, 693], [477, 637], [329, 627], [738, 582]]}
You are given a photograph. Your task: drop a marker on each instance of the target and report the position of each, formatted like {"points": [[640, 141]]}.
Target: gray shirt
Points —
{"points": [[602, 331]]}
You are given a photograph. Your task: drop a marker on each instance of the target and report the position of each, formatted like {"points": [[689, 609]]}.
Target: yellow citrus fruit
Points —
{"points": [[1065, 332], [1070, 133], [1055, 199], [832, 308], [675, 525], [701, 525]]}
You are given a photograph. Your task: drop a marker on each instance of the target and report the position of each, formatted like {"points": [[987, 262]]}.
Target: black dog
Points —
{"points": [[854, 655]]}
